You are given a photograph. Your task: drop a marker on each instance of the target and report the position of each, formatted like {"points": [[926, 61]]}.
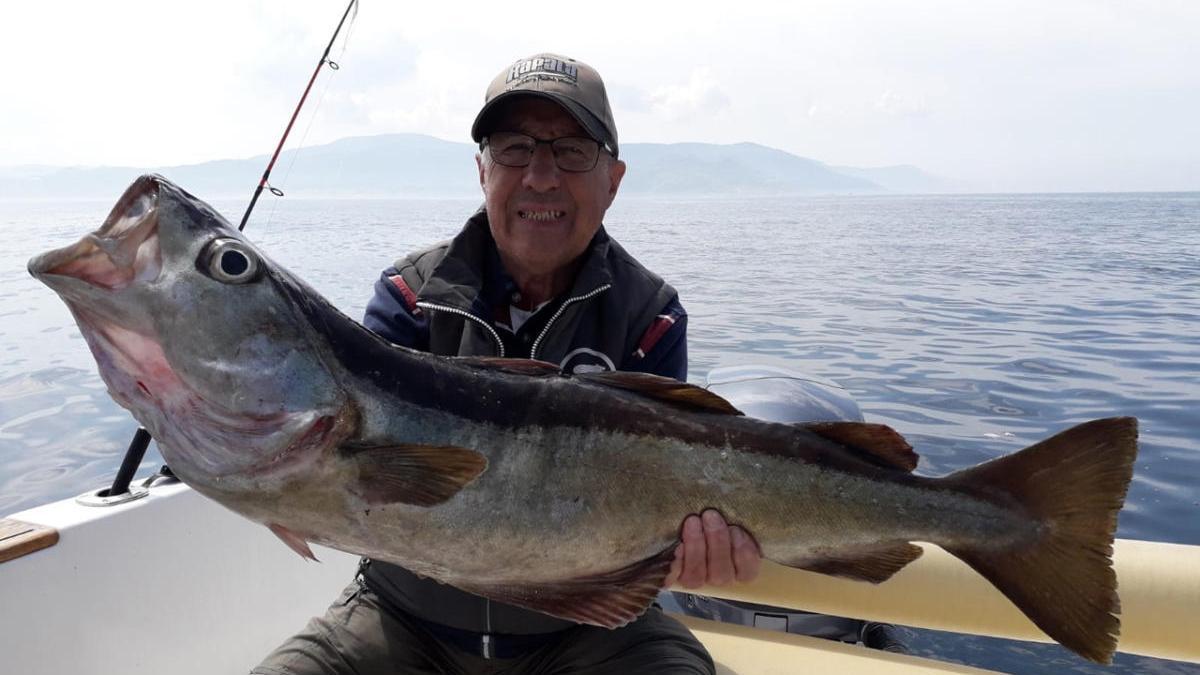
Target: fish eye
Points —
{"points": [[232, 262]]}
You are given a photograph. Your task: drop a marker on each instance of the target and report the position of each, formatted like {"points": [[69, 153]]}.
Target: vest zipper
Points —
{"points": [[454, 310], [562, 308]]}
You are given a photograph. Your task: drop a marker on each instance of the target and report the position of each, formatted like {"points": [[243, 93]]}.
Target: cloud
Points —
{"points": [[820, 110], [901, 104], [700, 95]]}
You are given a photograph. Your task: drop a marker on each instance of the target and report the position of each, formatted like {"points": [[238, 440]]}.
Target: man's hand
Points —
{"points": [[713, 553]]}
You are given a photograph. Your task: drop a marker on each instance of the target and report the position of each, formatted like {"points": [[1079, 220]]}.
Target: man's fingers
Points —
{"points": [[694, 557], [676, 568], [712, 552], [747, 559], [720, 551]]}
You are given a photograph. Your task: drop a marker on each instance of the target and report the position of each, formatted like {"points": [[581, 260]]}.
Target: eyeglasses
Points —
{"points": [[574, 154]]}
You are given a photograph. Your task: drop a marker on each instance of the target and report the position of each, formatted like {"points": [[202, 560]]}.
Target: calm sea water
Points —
{"points": [[975, 325]]}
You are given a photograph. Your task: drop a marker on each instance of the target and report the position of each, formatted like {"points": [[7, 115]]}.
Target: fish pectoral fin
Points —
{"points": [[294, 541], [875, 564], [878, 443], [664, 389], [422, 475], [531, 367], [610, 600]]}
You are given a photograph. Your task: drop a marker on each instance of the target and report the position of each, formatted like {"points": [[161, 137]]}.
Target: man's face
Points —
{"points": [[541, 216]]}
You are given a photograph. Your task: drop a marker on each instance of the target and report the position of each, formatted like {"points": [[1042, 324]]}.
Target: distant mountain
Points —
{"points": [[413, 165], [904, 178], [26, 171], [742, 168]]}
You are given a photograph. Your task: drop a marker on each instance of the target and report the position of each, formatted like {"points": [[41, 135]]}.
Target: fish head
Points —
{"points": [[194, 332]]}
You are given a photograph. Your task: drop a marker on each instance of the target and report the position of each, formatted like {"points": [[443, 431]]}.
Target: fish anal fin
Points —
{"points": [[422, 475], [610, 600], [664, 389], [875, 564], [294, 541], [880, 443], [531, 367]]}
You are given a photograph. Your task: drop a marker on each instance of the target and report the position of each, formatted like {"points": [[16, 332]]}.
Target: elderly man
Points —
{"points": [[532, 274]]}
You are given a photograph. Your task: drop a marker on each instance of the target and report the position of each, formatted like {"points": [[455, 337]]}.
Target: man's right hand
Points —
{"points": [[713, 553]]}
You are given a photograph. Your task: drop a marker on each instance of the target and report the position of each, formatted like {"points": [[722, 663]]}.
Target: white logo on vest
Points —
{"points": [[584, 360]]}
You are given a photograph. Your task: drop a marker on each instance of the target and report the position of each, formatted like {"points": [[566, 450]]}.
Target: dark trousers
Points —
{"points": [[359, 636]]}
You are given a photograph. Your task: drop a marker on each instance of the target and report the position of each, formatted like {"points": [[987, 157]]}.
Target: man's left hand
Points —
{"points": [[713, 553]]}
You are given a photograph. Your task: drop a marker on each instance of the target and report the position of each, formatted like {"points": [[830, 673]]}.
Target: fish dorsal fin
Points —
{"points": [[880, 443], [875, 564], [422, 475], [531, 367], [294, 541], [663, 389], [609, 599]]}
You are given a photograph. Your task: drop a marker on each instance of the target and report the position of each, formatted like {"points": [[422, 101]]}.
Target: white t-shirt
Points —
{"points": [[517, 316]]}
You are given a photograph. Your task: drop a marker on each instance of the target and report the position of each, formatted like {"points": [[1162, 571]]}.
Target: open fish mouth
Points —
{"points": [[125, 249], [94, 273]]}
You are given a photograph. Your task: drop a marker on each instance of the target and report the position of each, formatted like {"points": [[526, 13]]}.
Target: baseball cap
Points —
{"points": [[574, 85]]}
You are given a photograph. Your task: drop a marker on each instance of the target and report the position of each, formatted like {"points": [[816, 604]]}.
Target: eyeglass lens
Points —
{"points": [[571, 153]]}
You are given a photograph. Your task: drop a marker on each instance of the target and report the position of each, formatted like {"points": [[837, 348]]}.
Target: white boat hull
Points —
{"points": [[176, 583]]}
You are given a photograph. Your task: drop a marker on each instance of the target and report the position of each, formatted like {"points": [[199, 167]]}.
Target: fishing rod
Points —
{"points": [[141, 438], [295, 113]]}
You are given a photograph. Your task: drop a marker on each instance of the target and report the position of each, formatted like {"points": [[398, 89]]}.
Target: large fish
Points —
{"points": [[507, 478]]}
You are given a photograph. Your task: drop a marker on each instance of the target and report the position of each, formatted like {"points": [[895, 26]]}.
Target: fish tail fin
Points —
{"points": [[1062, 579]]}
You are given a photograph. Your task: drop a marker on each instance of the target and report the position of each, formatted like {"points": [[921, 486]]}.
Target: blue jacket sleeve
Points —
{"points": [[668, 355], [389, 315]]}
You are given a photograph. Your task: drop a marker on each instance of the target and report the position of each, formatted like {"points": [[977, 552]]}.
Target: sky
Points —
{"points": [[1000, 95]]}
